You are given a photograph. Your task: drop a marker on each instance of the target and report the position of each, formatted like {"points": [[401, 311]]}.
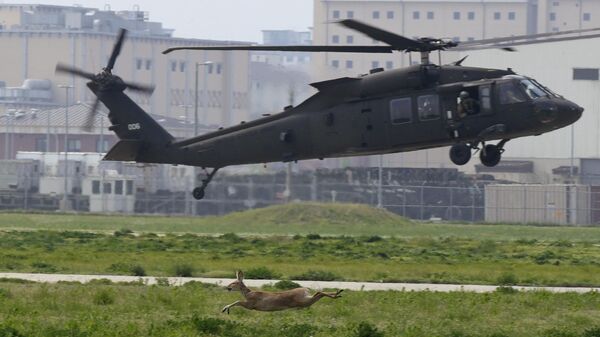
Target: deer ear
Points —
{"points": [[240, 275]]}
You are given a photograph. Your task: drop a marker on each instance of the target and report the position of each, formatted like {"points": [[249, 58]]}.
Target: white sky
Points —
{"points": [[240, 20]]}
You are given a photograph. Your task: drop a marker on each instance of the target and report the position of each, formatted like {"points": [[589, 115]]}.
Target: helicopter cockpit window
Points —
{"points": [[509, 93], [532, 90], [401, 110], [429, 107]]}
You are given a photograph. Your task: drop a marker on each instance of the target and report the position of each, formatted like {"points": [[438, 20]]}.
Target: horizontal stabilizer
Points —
{"points": [[124, 150], [325, 84]]}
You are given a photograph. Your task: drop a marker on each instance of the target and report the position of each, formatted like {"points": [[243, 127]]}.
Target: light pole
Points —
{"points": [[198, 64], [379, 183], [187, 116], [65, 194]]}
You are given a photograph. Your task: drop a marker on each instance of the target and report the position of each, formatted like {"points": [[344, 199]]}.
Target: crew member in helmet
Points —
{"points": [[467, 105]]}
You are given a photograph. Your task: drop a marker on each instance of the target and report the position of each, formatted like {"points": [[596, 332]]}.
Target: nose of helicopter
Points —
{"points": [[557, 112]]}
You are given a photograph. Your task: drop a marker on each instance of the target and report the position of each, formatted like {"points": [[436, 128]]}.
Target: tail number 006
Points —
{"points": [[133, 126]]}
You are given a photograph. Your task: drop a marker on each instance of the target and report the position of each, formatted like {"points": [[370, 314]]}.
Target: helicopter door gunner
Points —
{"points": [[467, 105]]}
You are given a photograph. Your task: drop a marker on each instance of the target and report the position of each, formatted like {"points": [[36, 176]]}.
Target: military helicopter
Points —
{"points": [[412, 108]]}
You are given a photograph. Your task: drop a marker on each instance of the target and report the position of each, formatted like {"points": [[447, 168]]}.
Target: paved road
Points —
{"points": [[370, 286]]}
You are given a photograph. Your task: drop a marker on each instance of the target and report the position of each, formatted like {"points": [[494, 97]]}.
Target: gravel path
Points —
{"points": [[367, 286]]}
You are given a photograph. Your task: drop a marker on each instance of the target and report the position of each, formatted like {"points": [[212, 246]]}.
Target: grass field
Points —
{"points": [[194, 310], [359, 258], [306, 218]]}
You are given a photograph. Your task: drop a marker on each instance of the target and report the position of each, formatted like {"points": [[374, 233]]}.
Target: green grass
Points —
{"points": [[302, 218], [363, 258], [194, 310]]}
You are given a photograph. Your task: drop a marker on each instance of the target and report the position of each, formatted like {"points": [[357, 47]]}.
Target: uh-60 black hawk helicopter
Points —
{"points": [[412, 108]]}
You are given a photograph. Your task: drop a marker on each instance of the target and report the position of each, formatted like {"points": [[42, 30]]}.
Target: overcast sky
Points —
{"points": [[240, 20]]}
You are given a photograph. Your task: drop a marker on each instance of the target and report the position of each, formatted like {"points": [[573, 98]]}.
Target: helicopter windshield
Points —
{"points": [[532, 90]]}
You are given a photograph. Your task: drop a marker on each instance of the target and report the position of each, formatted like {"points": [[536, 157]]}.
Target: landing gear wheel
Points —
{"points": [[460, 153], [490, 155], [198, 193]]}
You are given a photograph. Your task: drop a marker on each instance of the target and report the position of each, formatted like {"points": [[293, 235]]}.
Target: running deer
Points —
{"points": [[273, 301]]}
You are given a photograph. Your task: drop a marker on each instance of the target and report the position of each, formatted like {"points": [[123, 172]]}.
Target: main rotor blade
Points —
{"points": [[527, 37], [398, 42], [63, 68], [148, 89], [116, 49], [523, 43], [298, 48]]}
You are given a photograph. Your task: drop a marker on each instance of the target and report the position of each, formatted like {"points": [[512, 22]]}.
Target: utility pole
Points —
{"points": [[66, 169], [379, 183], [198, 64]]}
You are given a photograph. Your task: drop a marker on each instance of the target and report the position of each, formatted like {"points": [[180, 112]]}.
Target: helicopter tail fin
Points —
{"points": [[141, 137]]}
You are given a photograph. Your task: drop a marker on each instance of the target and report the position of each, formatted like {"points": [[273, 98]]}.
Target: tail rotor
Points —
{"points": [[105, 80]]}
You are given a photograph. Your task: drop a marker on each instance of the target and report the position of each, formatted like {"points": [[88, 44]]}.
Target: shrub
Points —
{"points": [[298, 330], [261, 273], [593, 332], [544, 257], [231, 237], [507, 279], [123, 232], [184, 270], [365, 329], [317, 275], [100, 281], [313, 236], [137, 270], [8, 331], [4, 293], [209, 325], [104, 297], [374, 238], [43, 266], [286, 285]]}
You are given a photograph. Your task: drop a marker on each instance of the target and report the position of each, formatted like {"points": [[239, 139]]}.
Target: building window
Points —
{"points": [[456, 15], [374, 64], [129, 187], [587, 16], [552, 16], [335, 63], [586, 74], [95, 186], [148, 64], [138, 64], [119, 187], [512, 15], [73, 145], [497, 15], [349, 39], [349, 64], [376, 15], [40, 144], [389, 65], [471, 15], [390, 14], [102, 145], [470, 39], [335, 39], [107, 189], [416, 15], [555, 3], [350, 14], [210, 66], [173, 65], [428, 107], [181, 66], [401, 111], [219, 68], [336, 14], [430, 15]]}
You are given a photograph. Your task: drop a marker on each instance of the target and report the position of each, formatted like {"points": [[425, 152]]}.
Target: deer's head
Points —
{"points": [[237, 284]]}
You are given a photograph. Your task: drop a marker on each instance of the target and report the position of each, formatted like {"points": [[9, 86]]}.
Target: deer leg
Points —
{"points": [[330, 295], [227, 307]]}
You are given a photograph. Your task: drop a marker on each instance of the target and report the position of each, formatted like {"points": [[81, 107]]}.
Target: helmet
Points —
{"points": [[463, 94]]}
